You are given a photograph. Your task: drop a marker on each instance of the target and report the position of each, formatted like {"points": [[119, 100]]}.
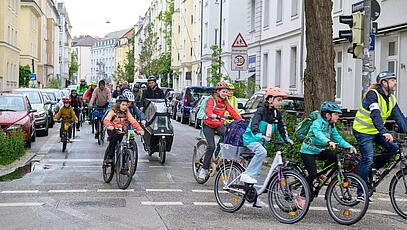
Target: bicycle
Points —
{"points": [[66, 128], [198, 159], [285, 186], [342, 189], [124, 160], [97, 124]]}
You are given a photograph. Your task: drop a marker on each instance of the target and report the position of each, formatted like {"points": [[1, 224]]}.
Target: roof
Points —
{"points": [[116, 34], [84, 41]]}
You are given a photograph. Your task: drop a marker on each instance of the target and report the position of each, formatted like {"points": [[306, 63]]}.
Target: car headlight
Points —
{"points": [[40, 115], [14, 127]]}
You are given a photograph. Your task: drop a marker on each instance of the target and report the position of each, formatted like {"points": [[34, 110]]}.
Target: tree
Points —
{"points": [[147, 49], [73, 69], [53, 83], [129, 66], [217, 64], [319, 75], [24, 75]]}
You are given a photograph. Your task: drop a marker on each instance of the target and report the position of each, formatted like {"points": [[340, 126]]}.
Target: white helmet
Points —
{"points": [[129, 95]]}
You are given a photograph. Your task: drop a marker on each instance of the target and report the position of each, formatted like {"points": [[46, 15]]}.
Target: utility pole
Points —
{"points": [[367, 61]]}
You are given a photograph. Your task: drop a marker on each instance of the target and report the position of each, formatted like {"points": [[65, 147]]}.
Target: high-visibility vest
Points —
{"points": [[233, 102], [363, 122]]}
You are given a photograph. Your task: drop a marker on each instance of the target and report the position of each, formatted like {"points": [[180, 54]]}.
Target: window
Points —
{"points": [[337, 5], [278, 68], [191, 51], [206, 34], [393, 48], [252, 14], [216, 36], [279, 10], [266, 13], [8, 33], [293, 67], [192, 19], [265, 70], [294, 8], [339, 74]]}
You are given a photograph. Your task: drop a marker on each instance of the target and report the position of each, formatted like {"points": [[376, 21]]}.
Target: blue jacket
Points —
{"points": [[136, 112], [319, 134]]}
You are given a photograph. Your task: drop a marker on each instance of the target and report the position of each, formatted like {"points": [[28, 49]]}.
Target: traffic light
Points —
{"points": [[355, 34]]}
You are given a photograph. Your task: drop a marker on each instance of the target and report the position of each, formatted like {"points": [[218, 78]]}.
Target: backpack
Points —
{"points": [[302, 129], [234, 133], [201, 115]]}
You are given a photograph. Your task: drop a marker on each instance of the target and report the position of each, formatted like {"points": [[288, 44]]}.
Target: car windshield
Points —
{"points": [[52, 96], [193, 95], [33, 96], [293, 104], [11, 103]]}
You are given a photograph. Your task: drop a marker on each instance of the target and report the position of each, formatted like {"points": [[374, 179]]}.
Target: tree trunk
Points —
{"points": [[319, 75]]}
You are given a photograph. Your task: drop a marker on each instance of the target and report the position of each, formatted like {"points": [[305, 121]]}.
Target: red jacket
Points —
{"points": [[220, 111]]}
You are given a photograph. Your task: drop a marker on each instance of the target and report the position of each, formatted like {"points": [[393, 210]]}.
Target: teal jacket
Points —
{"points": [[319, 134]]}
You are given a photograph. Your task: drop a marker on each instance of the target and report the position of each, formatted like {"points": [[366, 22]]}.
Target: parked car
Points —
{"points": [[188, 97], [50, 108], [38, 103], [55, 97], [294, 104], [71, 87], [193, 121], [16, 113], [172, 106]]}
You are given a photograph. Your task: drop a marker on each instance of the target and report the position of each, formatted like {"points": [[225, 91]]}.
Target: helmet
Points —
{"points": [[152, 78], [129, 95], [231, 87], [384, 76], [73, 90], [329, 106], [221, 85], [121, 98], [137, 85], [102, 82], [66, 100], [82, 80], [275, 92], [143, 86], [93, 83]]}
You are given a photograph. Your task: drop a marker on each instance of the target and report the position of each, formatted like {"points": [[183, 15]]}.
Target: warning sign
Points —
{"points": [[239, 42]]}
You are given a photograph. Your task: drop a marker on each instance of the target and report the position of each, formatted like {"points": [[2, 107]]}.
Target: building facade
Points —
{"points": [[65, 44], [122, 49], [82, 49]]}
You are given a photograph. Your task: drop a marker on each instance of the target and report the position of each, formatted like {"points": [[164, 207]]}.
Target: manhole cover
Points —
{"points": [[108, 203]]}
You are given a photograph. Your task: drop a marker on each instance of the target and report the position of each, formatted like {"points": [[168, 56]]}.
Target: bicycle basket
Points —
{"points": [[231, 152], [67, 125]]}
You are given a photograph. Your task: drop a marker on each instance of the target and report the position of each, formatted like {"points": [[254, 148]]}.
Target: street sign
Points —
{"points": [[375, 11], [239, 42], [372, 42], [33, 77], [239, 62], [252, 63], [359, 6]]}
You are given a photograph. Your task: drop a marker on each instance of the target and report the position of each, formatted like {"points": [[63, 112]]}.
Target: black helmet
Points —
{"points": [[102, 82], [121, 99], [137, 85], [384, 76], [152, 78]]}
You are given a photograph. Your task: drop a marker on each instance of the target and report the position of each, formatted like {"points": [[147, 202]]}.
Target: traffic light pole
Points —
{"points": [[367, 66]]}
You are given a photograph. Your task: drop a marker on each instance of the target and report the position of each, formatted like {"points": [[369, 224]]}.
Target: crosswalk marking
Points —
{"points": [[205, 203], [22, 204], [161, 203], [19, 191], [68, 191], [115, 190], [163, 190]]}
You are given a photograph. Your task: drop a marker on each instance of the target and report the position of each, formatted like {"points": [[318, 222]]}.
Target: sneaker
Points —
{"points": [[362, 198], [203, 173], [300, 202], [247, 179], [259, 203]]}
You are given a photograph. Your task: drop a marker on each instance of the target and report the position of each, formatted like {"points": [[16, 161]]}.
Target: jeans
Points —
{"points": [[77, 113], [365, 142], [209, 134], [260, 153]]}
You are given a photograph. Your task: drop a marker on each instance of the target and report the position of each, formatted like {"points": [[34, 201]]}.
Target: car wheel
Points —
{"points": [[51, 123], [183, 119], [28, 142], [178, 118], [33, 136], [190, 122], [174, 114], [197, 123]]}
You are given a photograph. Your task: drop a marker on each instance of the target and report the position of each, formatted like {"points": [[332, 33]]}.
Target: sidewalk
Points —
{"points": [[7, 169]]}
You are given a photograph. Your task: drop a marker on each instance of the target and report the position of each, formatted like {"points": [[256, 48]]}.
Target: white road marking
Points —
{"points": [[185, 167], [159, 166], [83, 160], [160, 203], [206, 191], [25, 204], [163, 190], [388, 199], [20, 191], [83, 166], [115, 190], [205, 203], [68, 191]]}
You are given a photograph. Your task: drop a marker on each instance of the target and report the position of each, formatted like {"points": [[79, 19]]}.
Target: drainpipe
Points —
{"points": [[302, 47]]}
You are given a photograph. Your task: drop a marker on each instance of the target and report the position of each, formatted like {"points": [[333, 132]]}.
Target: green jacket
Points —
{"points": [[319, 134]]}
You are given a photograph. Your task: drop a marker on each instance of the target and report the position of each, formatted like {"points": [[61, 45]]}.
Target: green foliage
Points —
{"points": [[54, 83], [24, 75], [244, 89], [73, 69], [11, 147], [147, 49], [216, 65]]}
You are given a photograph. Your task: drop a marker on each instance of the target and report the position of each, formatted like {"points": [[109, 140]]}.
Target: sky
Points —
{"points": [[89, 17]]}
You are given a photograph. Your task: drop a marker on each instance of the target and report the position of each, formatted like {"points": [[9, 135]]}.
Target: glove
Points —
{"points": [[354, 151], [266, 138], [143, 122]]}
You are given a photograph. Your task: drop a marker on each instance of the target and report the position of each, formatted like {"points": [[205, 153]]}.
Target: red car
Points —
{"points": [[16, 113]]}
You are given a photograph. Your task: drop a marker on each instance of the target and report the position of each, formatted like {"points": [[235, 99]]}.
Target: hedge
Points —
{"points": [[11, 147]]}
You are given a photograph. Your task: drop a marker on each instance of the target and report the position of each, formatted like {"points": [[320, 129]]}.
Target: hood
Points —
{"points": [[38, 107], [9, 118]]}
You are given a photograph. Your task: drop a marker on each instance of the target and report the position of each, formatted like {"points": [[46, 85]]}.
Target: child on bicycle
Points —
{"points": [[322, 134], [66, 113], [115, 120], [76, 104], [256, 134], [215, 112]]}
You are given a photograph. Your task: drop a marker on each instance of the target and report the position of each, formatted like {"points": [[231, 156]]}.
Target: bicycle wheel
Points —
{"points": [[134, 157], [398, 193], [198, 159], [228, 177], [99, 133], [343, 207], [285, 194], [108, 171], [124, 172], [64, 141], [161, 150], [73, 129]]}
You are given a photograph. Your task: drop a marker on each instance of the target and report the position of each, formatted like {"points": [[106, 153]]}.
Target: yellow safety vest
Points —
{"points": [[363, 122], [233, 102]]}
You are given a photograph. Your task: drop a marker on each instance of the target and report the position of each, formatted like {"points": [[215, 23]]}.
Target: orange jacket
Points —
{"points": [[118, 120], [219, 110]]}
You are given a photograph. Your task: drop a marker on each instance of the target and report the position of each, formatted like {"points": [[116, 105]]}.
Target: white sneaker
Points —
{"points": [[259, 203], [203, 173], [247, 179]]}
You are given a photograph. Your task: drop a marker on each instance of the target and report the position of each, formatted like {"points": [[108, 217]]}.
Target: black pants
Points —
{"points": [[210, 138], [114, 137], [309, 161], [77, 113], [61, 130]]}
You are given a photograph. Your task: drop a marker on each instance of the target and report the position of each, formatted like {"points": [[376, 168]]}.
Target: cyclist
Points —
{"points": [[321, 140], [134, 110], [101, 97], [124, 87], [115, 120], [88, 94], [116, 92], [152, 92], [232, 100], [137, 92], [256, 133], [66, 113], [377, 105], [82, 87], [76, 104], [215, 112]]}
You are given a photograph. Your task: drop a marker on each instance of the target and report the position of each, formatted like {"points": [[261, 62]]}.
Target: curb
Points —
{"points": [[24, 160]]}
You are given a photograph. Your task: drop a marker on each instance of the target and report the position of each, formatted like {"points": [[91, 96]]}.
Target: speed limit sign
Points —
{"points": [[239, 61]]}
